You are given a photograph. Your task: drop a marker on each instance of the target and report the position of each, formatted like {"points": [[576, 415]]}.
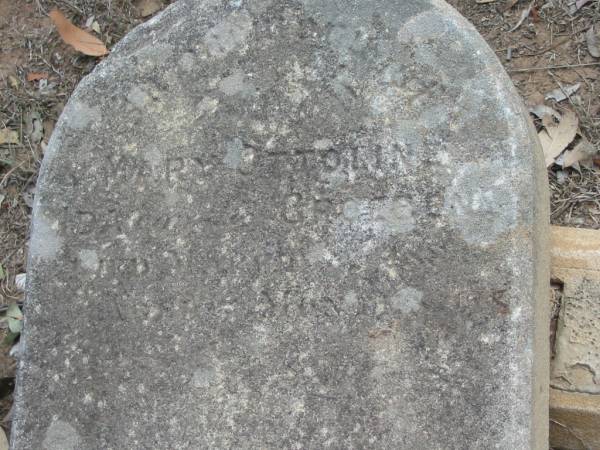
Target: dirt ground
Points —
{"points": [[38, 72]]}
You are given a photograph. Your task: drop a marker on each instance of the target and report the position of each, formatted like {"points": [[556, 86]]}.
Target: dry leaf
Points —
{"points": [[541, 111], [13, 81], [21, 281], [34, 128], [35, 76], [535, 15], [3, 440], [557, 137], [148, 7], [48, 126], [548, 121], [96, 27], [562, 92], [8, 136], [579, 4], [535, 98], [80, 40], [583, 151], [592, 42]]}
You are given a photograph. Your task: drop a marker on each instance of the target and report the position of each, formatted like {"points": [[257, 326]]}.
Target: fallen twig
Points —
{"points": [[524, 15], [566, 66]]}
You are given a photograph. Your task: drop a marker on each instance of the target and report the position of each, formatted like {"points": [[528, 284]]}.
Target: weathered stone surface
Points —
{"points": [[574, 419], [576, 263], [575, 368], [290, 224]]}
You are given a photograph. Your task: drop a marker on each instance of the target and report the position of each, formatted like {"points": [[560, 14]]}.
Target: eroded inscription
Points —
{"points": [[350, 162]]}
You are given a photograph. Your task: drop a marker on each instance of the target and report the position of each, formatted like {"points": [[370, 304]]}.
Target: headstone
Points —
{"points": [[574, 369], [289, 224]]}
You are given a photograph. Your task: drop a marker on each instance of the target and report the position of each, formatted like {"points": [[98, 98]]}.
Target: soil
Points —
{"points": [[552, 34]]}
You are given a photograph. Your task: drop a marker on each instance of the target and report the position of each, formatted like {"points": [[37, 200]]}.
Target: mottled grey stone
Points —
{"points": [[289, 224]]}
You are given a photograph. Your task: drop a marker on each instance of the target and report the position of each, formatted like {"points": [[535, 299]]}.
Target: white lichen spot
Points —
{"points": [[228, 35], [406, 300], [154, 55], [238, 156], [137, 97], [204, 376], [154, 312], [481, 202], [207, 106], [80, 116], [489, 339], [434, 116], [133, 219], [61, 435], [298, 407], [386, 216], [420, 26], [353, 210], [350, 300], [153, 154], [296, 92], [516, 313], [89, 260], [384, 104], [45, 242], [322, 144], [131, 148], [236, 84], [320, 253], [187, 62], [389, 271], [257, 127], [443, 158], [397, 216]]}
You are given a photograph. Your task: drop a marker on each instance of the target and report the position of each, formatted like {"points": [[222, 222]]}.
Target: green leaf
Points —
{"points": [[15, 318], [14, 311], [2, 272], [10, 338], [15, 325]]}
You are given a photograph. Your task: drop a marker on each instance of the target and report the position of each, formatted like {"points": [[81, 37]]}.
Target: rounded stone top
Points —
{"points": [[288, 224]]}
